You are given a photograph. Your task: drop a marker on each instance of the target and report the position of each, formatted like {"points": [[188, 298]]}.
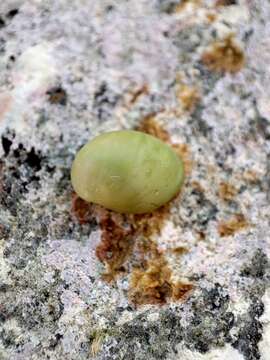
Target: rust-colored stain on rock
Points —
{"points": [[152, 283], [224, 56], [227, 191], [179, 250], [117, 240], [150, 126], [151, 223], [119, 232], [188, 96], [232, 226], [82, 210], [225, 2], [138, 93], [116, 234], [184, 152]]}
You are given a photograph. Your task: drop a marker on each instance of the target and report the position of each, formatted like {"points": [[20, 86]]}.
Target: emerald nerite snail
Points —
{"points": [[127, 171]]}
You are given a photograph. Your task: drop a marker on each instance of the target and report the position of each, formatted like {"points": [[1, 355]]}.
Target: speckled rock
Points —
{"points": [[199, 70]]}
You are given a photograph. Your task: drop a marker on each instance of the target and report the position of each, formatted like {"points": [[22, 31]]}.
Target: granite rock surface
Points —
{"points": [[195, 73]]}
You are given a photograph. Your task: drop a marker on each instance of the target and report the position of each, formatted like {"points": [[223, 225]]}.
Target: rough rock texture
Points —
{"points": [[199, 70]]}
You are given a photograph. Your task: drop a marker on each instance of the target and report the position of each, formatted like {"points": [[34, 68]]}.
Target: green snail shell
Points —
{"points": [[127, 171]]}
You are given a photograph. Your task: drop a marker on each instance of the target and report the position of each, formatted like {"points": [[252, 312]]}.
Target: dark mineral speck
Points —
{"points": [[6, 143], [12, 13], [2, 23], [57, 95], [258, 267], [250, 331]]}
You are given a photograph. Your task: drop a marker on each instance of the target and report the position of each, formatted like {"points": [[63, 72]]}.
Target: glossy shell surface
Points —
{"points": [[127, 171]]}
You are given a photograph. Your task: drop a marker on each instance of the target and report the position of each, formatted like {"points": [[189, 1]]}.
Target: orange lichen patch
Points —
{"points": [[224, 56], [138, 93], [235, 224], [226, 191], [183, 151], [82, 210], [185, 3], [188, 96], [150, 126], [153, 284], [225, 2]]}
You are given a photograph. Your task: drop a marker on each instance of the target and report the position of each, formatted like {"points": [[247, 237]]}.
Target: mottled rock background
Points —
{"points": [[200, 70]]}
